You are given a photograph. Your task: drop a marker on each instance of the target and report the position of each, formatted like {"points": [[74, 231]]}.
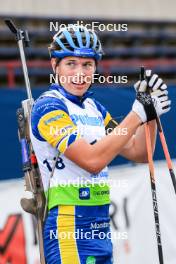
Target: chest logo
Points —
{"points": [[87, 120]]}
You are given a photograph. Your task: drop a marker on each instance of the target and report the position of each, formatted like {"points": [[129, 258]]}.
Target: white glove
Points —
{"points": [[161, 101], [147, 106], [154, 82]]}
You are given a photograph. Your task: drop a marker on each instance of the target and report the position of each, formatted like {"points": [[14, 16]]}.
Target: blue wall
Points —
{"points": [[117, 100]]}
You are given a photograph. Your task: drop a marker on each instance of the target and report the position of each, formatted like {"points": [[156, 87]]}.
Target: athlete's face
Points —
{"points": [[75, 74]]}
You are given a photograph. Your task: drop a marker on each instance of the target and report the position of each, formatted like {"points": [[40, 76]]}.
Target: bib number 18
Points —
{"points": [[59, 164]]}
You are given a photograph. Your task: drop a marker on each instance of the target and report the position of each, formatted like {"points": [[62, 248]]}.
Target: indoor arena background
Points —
{"points": [[150, 41]]}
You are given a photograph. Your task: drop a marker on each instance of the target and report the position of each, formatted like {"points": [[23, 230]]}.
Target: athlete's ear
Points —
{"points": [[53, 64]]}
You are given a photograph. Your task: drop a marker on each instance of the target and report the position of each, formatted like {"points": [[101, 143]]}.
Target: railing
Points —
{"points": [[127, 66], [10, 66]]}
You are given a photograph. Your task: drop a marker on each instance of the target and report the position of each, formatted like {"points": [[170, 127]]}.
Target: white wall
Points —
{"points": [[127, 9], [128, 182]]}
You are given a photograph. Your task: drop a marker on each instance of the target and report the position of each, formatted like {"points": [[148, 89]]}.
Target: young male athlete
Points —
{"points": [[67, 121]]}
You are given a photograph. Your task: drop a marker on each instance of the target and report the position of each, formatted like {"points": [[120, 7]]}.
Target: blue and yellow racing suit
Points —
{"points": [[77, 228]]}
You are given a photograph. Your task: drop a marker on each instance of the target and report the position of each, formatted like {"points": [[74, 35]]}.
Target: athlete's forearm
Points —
{"points": [[105, 150], [95, 157]]}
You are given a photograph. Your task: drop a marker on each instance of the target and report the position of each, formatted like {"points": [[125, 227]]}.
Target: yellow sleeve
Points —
{"points": [[57, 128]]}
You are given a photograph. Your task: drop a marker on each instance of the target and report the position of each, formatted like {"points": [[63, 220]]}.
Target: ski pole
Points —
{"points": [[153, 185], [166, 152]]}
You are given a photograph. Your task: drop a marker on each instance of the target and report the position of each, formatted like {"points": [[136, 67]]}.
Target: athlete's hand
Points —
{"points": [[149, 106], [153, 81]]}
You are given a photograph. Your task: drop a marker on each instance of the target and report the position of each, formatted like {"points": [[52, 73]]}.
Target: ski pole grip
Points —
{"points": [[142, 73], [143, 77]]}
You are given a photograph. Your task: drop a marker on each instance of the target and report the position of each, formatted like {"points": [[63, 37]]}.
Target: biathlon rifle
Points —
{"points": [[33, 183]]}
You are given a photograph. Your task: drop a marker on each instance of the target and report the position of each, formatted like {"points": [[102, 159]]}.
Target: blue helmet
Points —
{"points": [[76, 41]]}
